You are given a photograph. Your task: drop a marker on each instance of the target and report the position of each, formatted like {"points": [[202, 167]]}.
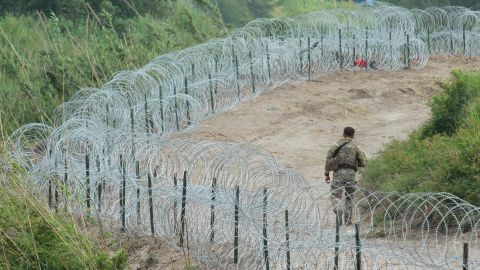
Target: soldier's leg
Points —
{"points": [[350, 189], [336, 191]]}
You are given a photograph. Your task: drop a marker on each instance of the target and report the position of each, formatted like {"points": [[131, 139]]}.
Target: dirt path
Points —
{"points": [[299, 122]]}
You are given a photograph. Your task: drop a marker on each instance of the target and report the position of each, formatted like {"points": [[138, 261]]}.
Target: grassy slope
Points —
{"points": [[33, 237], [43, 61], [239, 12], [297, 7], [445, 154], [474, 4]]}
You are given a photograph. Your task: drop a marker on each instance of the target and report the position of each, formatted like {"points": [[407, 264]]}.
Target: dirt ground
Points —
{"points": [[299, 122], [147, 252]]}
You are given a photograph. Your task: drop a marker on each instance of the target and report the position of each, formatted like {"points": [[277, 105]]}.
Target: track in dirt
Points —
{"points": [[298, 123]]}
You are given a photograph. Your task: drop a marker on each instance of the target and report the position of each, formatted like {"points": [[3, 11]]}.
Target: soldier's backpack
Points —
{"points": [[332, 162]]}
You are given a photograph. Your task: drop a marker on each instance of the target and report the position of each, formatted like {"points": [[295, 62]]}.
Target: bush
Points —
{"points": [[297, 7], [445, 155], [449, 107], [439, 3]]}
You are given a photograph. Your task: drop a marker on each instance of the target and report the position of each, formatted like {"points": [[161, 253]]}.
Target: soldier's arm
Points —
{"points": [[361, 158], [329, 156]]}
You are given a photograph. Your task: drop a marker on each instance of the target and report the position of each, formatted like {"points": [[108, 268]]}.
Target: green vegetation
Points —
{"points": [[48, 51], [474, 4], [444, 155], [45, 58], [33, 237], [296, 7], [79, 9], [240, 12]]}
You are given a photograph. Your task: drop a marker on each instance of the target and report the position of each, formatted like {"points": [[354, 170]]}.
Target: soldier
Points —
{"points": [[344, 158]]}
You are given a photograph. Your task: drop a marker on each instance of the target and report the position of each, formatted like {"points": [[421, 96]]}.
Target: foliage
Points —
{"points": [[297, 7], [47, 56], [448, 160], [33, 237], [235, 12], [473, 4], [43, 61], [448, 107], [78, 9], [240, 12]]}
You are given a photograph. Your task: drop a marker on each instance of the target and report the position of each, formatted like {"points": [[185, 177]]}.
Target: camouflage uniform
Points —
{"points": [[348, 160]]}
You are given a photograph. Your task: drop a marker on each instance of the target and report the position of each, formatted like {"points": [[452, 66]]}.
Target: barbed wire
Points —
{"points": [[112, 154]]}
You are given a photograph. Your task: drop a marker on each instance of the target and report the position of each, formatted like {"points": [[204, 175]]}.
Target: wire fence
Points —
{"points": [[111, 152]]}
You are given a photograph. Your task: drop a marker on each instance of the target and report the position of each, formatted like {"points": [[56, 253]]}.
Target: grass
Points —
{"points": [[33, 237], [473, 4], [45, 59], [240, 12], [444, 156], [297, 7]]}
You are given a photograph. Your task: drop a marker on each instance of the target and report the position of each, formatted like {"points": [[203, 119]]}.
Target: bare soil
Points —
{"points": [[147, 252], [299, 122]]}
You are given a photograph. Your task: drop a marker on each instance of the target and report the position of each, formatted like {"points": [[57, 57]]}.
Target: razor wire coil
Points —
{"points": [[112, 153]]}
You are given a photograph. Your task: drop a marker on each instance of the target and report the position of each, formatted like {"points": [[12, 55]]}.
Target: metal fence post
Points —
{"points": [[340, 53], [235, 233], [87, 178], [184, 202], [309, 60], [251, 72], [265, 237], [150, 202], [268, 67], [337, 239], [358, 247], [287, 239], [465, 256], [212, 210], [137, 171]]}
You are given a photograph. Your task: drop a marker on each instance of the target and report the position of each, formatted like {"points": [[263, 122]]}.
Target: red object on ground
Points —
{"points": [[361, 63]]}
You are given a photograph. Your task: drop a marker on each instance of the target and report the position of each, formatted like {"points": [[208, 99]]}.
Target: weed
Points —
{"points": [[33, 237], [444, 156]]}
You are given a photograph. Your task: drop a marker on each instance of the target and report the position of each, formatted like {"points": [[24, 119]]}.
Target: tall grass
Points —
{"points": [[44, 59], [472, 4], [297, 7], [239, 12], [33, 237], [444, 156]]}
